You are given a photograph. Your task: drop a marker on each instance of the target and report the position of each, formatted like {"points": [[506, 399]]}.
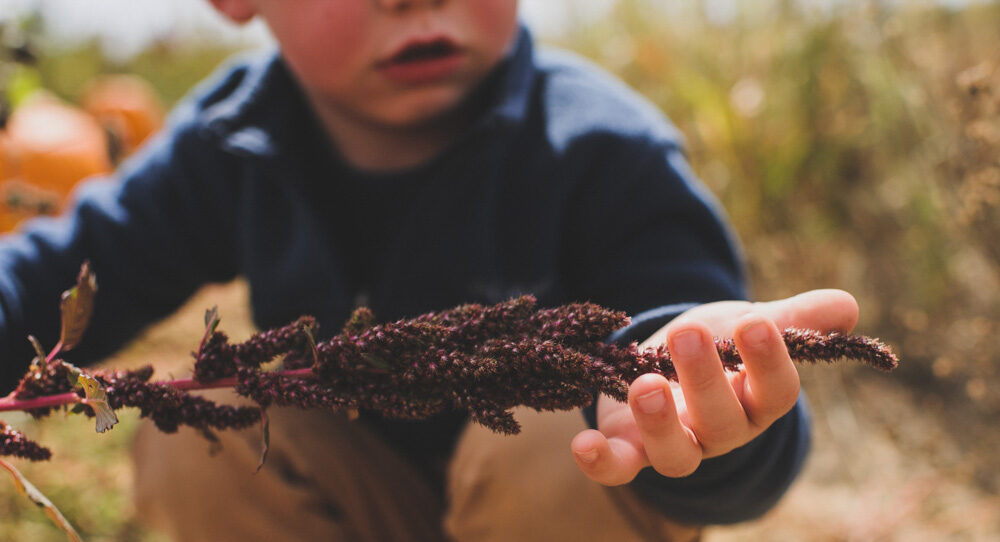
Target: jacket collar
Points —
{"points": [[265, 109]]}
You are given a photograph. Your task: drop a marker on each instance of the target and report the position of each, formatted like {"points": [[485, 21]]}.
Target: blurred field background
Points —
{"points": [[855, 145]]}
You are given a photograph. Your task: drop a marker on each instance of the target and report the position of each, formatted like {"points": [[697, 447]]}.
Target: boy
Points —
{"points": [[413, 155]]}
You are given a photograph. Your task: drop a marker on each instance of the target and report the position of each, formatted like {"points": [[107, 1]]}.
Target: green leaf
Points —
{"points": [[74, 373], [77, 305], [26, 488]]}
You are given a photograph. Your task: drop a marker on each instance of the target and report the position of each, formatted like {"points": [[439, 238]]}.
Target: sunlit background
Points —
{"points": [[126, 27], [855, 144]]}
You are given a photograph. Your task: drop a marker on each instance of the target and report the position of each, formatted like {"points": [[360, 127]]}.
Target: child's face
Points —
{"points": [[394, 62]]}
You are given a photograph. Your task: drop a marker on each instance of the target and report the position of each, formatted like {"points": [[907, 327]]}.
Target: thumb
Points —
{"points": [[823, 310]]}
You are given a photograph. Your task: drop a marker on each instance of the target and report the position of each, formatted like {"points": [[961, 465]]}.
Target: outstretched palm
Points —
{"points": [[708, 412]]}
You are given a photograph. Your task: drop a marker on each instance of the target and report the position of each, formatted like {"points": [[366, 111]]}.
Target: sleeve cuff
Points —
{"points": [[739, 486]]}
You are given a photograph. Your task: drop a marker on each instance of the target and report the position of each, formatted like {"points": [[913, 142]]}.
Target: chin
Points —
{"points": [[418, 109]]}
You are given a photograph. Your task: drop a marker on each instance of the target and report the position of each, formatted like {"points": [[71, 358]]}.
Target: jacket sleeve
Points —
{"points": [[653, 242], [153, 233]]}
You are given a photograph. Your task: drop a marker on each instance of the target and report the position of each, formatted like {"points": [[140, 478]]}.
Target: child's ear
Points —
{"points": [[238, 11]]}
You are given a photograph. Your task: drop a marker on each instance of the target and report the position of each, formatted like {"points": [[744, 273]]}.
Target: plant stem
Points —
{"points": [[11, 404], [55, 352]]}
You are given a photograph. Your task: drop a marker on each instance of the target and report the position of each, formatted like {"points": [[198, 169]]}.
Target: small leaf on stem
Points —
{"points": [[38, 348], [212, 320], [265, 436], [74, 373], [97, 399], [77, 305]]}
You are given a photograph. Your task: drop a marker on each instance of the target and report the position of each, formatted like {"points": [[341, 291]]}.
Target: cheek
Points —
{"points": [[329, 43], [494, 20]]}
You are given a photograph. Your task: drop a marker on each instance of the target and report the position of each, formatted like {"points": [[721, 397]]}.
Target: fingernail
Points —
{"points": [[755, 333], [687, 343], [652, 402], [587, 457]]}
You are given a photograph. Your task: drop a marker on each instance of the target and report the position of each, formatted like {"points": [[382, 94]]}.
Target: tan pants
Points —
{"points": [[330, 479]]}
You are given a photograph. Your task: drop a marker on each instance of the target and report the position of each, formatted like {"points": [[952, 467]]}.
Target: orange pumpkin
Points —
{"points": [[9, 215], [127, 105], [8, 158], [54, 145], [20, 200]]}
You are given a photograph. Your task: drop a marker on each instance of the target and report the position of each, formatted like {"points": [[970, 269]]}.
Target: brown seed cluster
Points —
{"points": [[475, 358], [217, 358], [14, 443], [483, 359], [44, 378], [169, 407]]}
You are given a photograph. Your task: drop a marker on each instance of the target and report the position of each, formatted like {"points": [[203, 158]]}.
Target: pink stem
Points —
{"points": [[9, 403], [39, 402], [55, 352]]}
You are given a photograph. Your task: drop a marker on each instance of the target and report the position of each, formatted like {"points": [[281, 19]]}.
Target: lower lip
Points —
{"points": [[422, 71]]}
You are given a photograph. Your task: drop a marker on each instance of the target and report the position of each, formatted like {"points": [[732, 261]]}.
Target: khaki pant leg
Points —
{"points": [[325, 478], [527, 487]]}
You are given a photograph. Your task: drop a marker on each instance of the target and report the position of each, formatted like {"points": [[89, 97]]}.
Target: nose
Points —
{"points": [[403, 5]]}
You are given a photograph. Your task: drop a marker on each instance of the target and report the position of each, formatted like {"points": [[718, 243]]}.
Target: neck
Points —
{"points": [[375, 147]]}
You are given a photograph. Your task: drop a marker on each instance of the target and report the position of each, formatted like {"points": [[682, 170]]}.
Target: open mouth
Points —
{"points": [[420, 52], [424, 61]]}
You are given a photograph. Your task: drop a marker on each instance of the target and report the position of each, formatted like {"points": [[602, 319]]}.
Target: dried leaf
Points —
{"points": [[38, 348], [212, 320], [26, 488], [265, 436], [97, 399], [77, 305]]}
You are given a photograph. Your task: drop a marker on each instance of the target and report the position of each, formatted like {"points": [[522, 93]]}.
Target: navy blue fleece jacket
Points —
{"points": [[567, 185]]}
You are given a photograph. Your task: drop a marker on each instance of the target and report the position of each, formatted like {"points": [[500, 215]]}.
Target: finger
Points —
{"points": [[718, 316], [611, 462], [825, 310], [716, 415], [672, 449], [771, 386]]}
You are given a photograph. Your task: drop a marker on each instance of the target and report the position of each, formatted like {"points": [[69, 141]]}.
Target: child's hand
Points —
{"points": [[674, 426]]}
